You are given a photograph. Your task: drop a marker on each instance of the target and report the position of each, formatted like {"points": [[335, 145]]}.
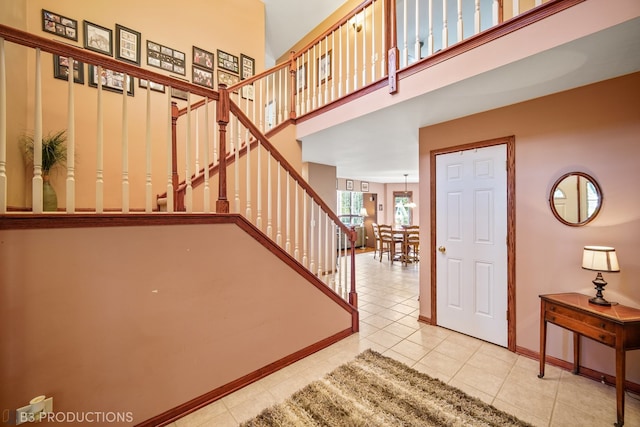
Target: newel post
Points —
{"points": [[175, 179], [353, 295], [293, 85], [222, 204]]}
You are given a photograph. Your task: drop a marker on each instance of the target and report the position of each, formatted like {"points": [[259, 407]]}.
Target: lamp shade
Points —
{"points": [[600, 258], [363, 212]]}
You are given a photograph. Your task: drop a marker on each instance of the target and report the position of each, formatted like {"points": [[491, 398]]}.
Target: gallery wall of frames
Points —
{"points": [[208, 66]]}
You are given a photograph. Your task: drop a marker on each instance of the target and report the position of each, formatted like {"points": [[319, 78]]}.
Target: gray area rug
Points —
{"points": [[375, 390]]}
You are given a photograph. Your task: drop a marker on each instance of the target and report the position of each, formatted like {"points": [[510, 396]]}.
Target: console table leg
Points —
{"points": [[620, 376], [576, 353], [543, 339]]}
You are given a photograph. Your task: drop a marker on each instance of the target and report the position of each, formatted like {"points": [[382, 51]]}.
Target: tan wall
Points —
{"points": [[593, 129], [142, 319], [210, 25]]}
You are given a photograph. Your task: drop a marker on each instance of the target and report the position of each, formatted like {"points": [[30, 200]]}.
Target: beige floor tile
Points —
{"points": [[479, 379], [399, 329], [520, 396]]}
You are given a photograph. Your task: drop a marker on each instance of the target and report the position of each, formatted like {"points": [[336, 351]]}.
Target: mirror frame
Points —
{"points": [[554, 188]]}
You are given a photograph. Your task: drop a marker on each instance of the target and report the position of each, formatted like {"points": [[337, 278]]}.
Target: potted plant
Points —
{"points": [[54, 153]]}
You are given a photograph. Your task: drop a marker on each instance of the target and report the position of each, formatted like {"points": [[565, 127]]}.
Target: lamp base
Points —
{"points": [[599, 283], [599, 301]]}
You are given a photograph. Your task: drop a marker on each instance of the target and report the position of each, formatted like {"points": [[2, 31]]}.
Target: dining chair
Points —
{"points": [[411, 250], [376, 240], [388, 242]]}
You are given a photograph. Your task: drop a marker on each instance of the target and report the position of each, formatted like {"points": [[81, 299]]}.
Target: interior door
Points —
{"points": [[471, 239], [369, 202]]}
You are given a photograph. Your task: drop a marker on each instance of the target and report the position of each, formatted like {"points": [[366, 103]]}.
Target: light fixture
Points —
{"points": [[363, 212], [356, 22], [600, 258], [409, 204]]}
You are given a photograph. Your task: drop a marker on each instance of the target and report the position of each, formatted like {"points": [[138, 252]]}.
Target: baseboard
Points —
{"points": [[199, 402]]}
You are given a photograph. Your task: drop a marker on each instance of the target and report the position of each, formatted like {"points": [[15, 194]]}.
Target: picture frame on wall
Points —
{"points": [[98, 38], [228, 62], [349, 185], [61, 69], [59, 25], [324, 68], [158, 87], [111, 80], [301, 77], [179, 94], [203, 58], [247, 92], [248, 66], [128, 44], [202, 77], [227, 78], [165, 58], [364, 186]]}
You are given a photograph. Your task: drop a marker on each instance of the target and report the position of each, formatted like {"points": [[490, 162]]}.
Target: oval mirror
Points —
{"points": [[575, 199]]}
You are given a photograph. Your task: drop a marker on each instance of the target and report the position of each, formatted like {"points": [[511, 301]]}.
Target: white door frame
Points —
{"points": [[509, 141]]}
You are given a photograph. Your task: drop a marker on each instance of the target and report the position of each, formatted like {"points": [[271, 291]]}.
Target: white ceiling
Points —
{"points": [[361, 148]]}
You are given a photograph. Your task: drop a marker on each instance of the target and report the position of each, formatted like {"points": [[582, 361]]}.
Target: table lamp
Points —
{"points": [[600, 258]]}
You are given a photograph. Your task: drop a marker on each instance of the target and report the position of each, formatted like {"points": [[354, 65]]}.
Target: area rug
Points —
{"points": [[375, 390]]}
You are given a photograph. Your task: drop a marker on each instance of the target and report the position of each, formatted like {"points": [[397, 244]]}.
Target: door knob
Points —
{"points": [[442, 249]]}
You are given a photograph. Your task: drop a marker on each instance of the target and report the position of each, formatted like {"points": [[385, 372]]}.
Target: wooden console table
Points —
{"points": [[617, 326]]}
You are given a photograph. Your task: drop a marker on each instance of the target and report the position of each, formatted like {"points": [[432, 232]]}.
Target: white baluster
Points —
{"points": [[205, 153], [328, 69], [125, 146], [364, 47], [234, 135], [248, 213], [383, 42], [148, 206], [327, 244], [319, 242], [197, 148], [278, 207], [476, 17], [304, 228], [445, 29], [37, 140], [269, 196], [417, 44], [296, 226], [71, 145], [334, 254], [355, 57], [538, 2], [430, 37], [314, 81], [3, 129], [373, 41], [495, 12], [460, 25], [405, 36], [99, 146], [280, 102], [340, 44], [516, 8], [312, 264], [333, 65], [287, 246], [169, 154], [259, 186], [348, 57]]}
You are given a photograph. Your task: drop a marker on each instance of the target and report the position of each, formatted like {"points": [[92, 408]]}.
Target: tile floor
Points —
{"points": [[389, 310]]}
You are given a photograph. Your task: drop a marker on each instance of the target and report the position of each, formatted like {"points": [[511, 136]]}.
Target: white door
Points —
{"points": [[471, 242]]}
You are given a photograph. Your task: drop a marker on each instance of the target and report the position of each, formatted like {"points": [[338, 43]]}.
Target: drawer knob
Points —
{"points": [[603, 325], [553, 309], [601, 337]]}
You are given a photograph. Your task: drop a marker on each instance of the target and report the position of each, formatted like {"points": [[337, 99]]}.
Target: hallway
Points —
{"points": [[389, 310]]}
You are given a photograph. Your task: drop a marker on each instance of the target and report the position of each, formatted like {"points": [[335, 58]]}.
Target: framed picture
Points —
{"points": [[59, 25], [364, 186], [228, 62], [154, 86], [98, 39], [247, 92], [202, 58], [111, 80], [128, 44], [349, 185], [202, 77], [324, 68], [248, 68], [227, 79], [165, 58], [179, 94], [61, 69], [301, 77]]}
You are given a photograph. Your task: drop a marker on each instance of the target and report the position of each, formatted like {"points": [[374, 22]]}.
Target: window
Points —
{"points": [[349, 206], [402, 207]]}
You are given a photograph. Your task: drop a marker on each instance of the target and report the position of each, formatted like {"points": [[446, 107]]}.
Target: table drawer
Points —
{"points": [[578, 324], [592, 320]]}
